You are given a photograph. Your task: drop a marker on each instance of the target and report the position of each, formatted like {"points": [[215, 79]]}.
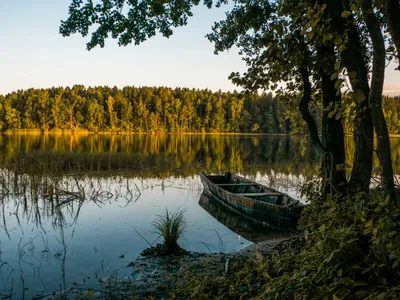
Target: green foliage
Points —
{"points": [[246, 283], [171, 227], [350, 250], [146, 109], [160, 110], [129, 21]]}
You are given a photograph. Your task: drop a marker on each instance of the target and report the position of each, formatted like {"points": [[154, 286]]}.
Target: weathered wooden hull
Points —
{"points": [[252, 230], [286, 215]]}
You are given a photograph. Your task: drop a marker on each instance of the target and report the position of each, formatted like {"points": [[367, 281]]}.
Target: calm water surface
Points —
{"points": [[71, 206]]}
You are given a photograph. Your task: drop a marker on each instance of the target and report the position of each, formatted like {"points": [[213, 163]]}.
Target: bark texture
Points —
{"points": [[332, 128], [353, 60]]}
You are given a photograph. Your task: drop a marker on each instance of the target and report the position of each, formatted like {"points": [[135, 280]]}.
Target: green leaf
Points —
{"points": [[331, 114], [328, 37], [361, 294], [337, 66], [340, 272], [395, 264], [382, 295], [338, 41], [335, 75], [353, 74], [346, 13], [341, 47]]}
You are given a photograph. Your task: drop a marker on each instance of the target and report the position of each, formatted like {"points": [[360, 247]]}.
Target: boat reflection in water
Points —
{"points": [[249, 229]]}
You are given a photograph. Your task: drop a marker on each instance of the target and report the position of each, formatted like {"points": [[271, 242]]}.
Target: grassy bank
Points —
{"points": [[351, 250]]}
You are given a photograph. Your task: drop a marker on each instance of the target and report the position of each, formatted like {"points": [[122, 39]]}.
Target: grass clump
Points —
{"points": [[170, 226]]}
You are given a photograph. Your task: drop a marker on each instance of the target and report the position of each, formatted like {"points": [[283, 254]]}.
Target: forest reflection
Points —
{"points": [[160, 156], [156, 156]]}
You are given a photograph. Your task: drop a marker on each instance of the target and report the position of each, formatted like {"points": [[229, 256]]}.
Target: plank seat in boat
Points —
{"points": [[237, 184], [258, 194]]}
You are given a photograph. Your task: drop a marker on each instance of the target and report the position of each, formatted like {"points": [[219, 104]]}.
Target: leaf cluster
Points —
{"points": [[128, 20]]}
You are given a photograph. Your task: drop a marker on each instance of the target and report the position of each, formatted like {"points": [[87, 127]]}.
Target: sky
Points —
{"points": [[34, 55]]}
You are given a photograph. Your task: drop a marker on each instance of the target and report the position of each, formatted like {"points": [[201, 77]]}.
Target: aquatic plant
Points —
{"points": [[170, 226]]}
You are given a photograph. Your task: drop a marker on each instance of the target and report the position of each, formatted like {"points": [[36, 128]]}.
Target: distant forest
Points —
{"points": [[157, 110]]}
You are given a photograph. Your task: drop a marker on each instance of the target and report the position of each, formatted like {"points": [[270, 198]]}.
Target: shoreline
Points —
{"points": [[61, 132], [85, 132], [156, 276]]}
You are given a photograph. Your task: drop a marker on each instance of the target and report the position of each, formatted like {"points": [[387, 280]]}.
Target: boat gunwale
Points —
{"points": [[296, 202]]}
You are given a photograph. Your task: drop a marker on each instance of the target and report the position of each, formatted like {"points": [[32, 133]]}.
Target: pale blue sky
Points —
{"points": [[34, 54]]}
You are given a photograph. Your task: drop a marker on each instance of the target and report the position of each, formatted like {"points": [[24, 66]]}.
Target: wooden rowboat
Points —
{"points": [[252, 230], [253, 200]]}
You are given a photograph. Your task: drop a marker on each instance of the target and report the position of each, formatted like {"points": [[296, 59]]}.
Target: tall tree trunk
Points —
{"points": [[375, 99], [353, 60], [332, 128], [333, 137], [392, 14]]}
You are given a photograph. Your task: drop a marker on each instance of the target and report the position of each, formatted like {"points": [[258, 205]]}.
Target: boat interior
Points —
{"points": [[242, 187]]}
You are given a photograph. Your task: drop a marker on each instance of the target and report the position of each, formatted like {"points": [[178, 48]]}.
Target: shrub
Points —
{"points": [[350, 250]]}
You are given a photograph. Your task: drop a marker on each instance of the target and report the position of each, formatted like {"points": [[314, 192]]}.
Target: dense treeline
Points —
{"points": [[158, 110], [146, 109]]}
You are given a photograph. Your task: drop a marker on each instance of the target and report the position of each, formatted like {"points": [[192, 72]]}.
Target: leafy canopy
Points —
{"points": [[128, 20]]}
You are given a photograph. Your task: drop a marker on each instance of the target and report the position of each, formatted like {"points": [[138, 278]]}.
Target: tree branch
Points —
{"points": [[305, 113]]}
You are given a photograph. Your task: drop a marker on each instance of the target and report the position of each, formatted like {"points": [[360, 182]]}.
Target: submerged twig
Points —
{"points": [[142, 236]]}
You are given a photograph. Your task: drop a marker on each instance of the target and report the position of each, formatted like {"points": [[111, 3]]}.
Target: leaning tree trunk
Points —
{"points": [[392, 14], [375, 99], [306, 98], [305, 113]]}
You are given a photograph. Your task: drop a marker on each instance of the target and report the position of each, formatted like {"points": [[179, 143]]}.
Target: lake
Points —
{"points": [[76, 208]]}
